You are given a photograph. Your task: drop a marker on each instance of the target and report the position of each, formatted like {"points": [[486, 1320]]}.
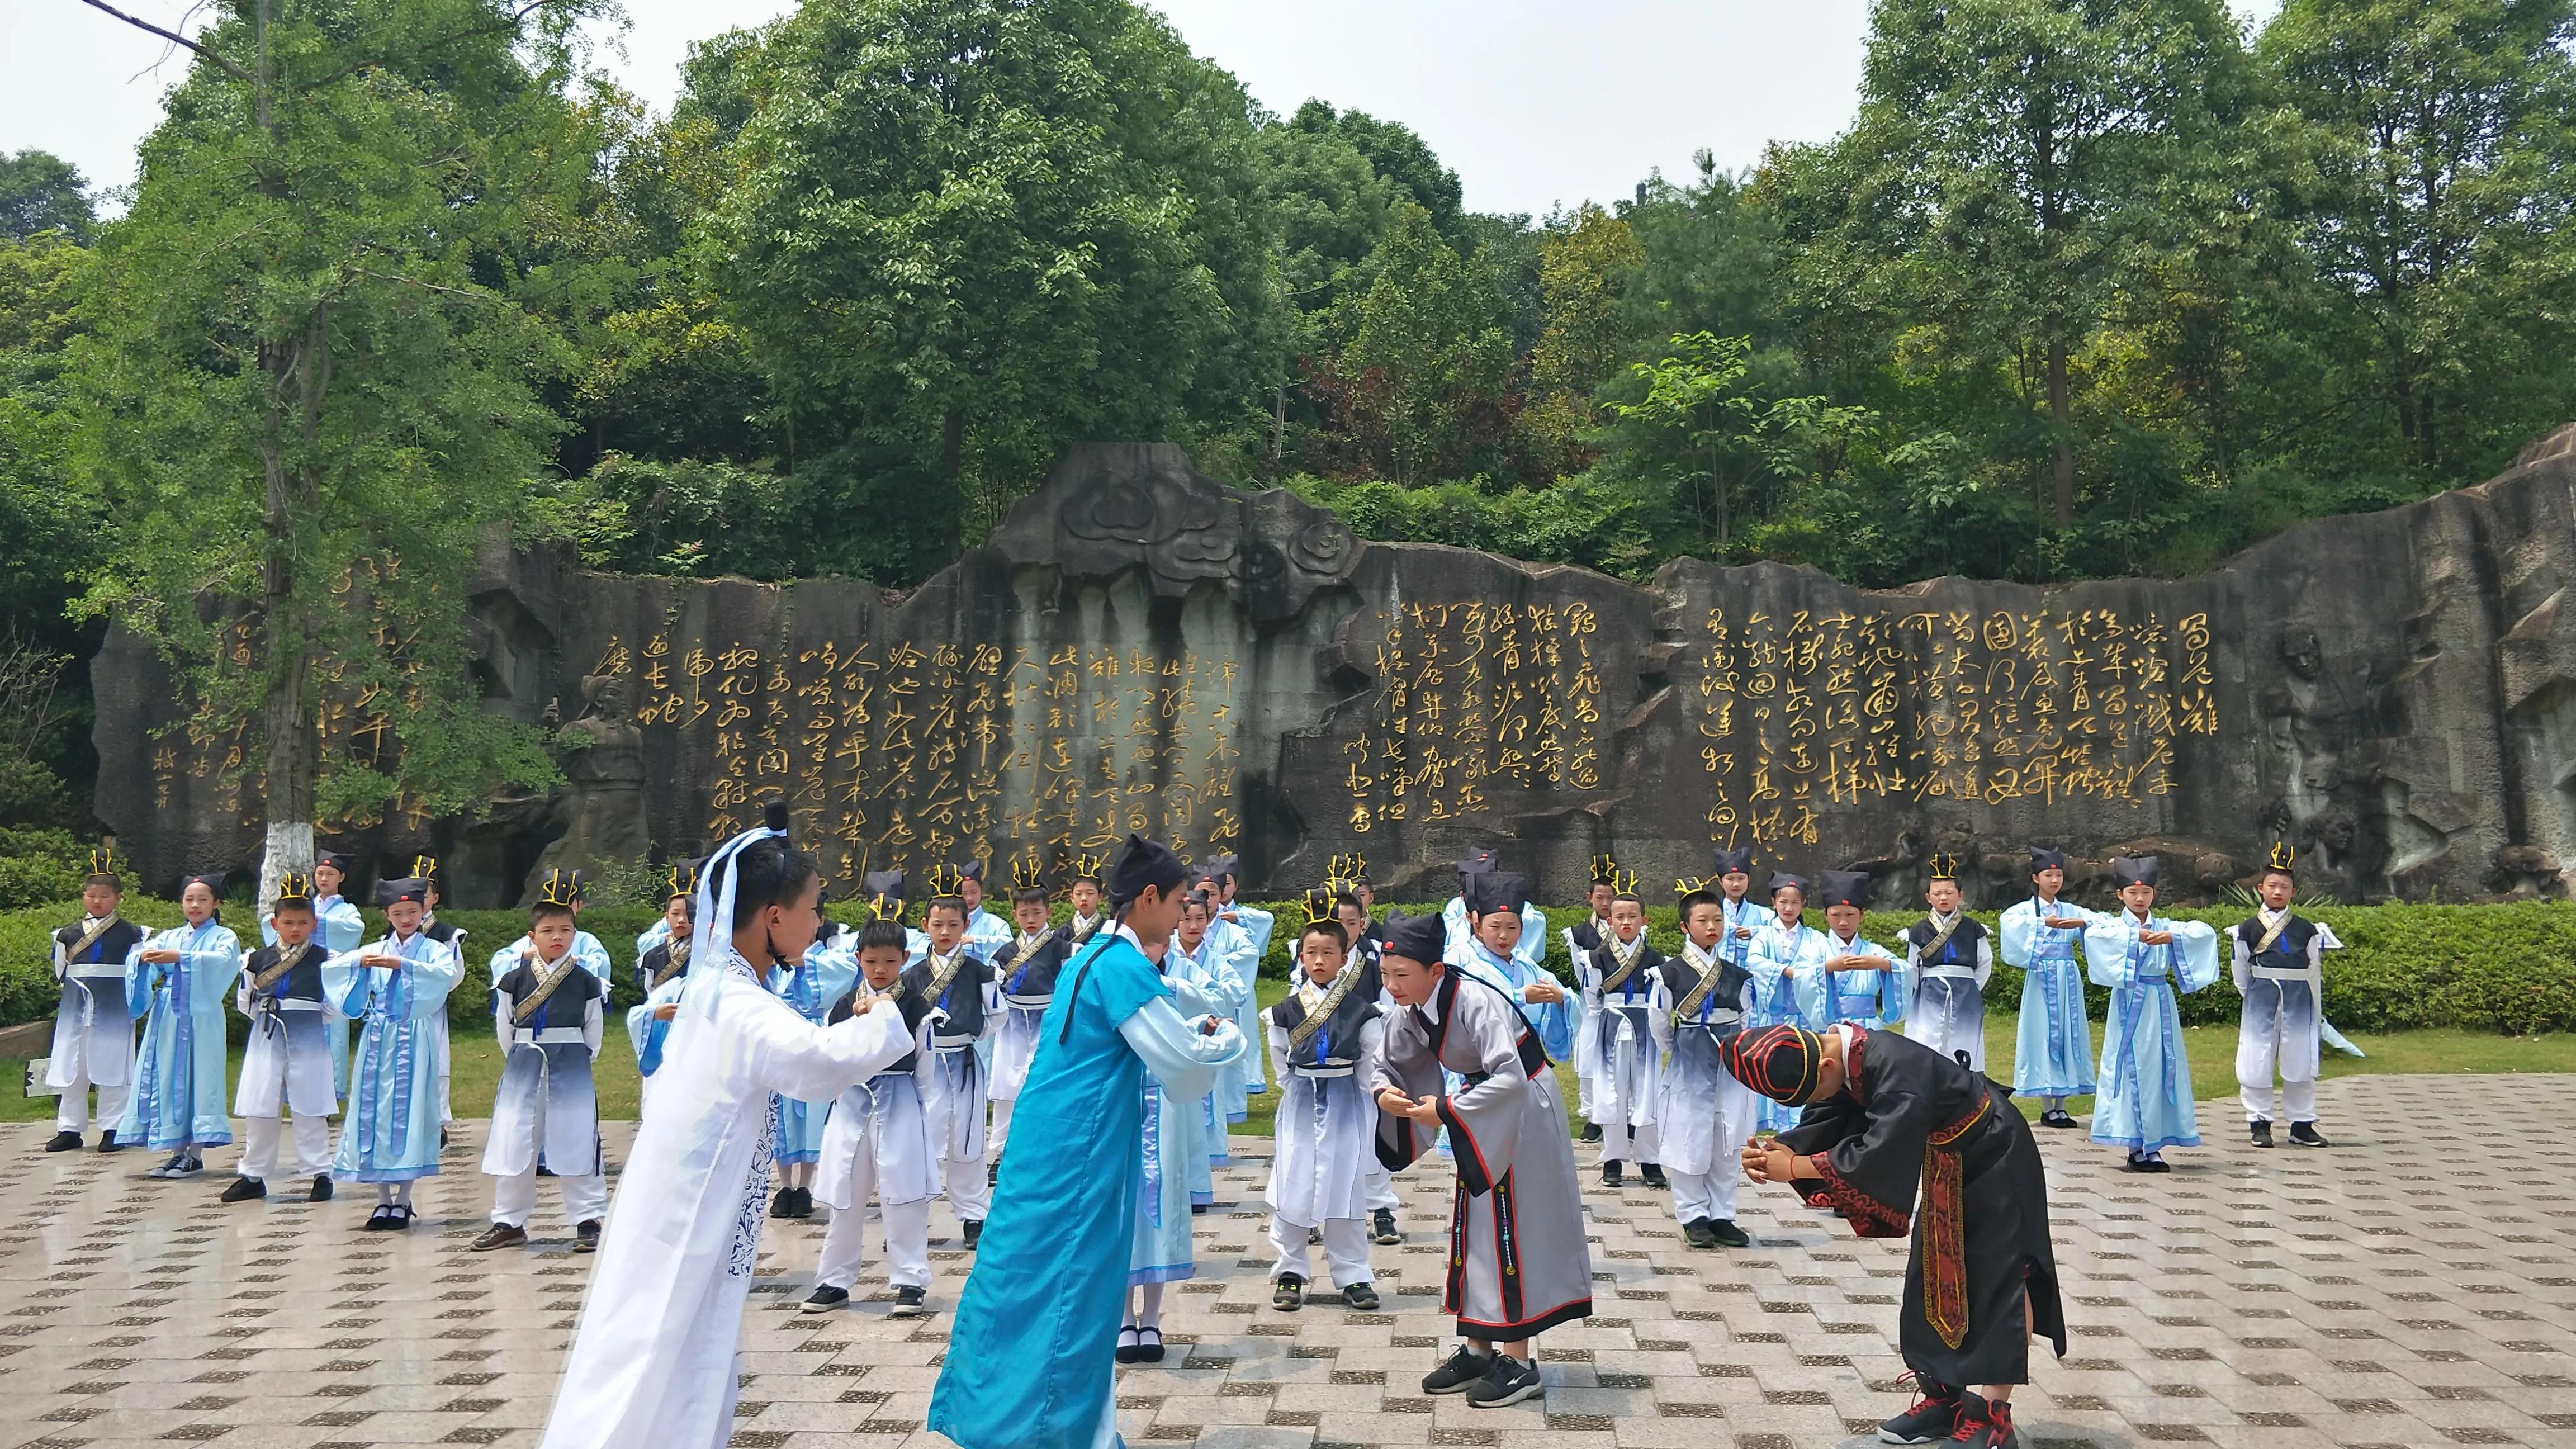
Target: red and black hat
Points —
{"points": [[1779, 1062]]}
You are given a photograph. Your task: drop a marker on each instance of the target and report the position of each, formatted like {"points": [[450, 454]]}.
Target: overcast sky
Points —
{"points": [[1532, 102]]}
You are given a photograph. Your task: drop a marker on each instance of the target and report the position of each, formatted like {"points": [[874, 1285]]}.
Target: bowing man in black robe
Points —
{"points": [[1887, 1118]]}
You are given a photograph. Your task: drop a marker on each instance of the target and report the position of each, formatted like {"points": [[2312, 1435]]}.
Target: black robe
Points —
{"points": [[1910, 1118]]}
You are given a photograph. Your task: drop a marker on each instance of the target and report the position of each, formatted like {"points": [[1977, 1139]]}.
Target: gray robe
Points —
{"points": [[1518, 1264]]}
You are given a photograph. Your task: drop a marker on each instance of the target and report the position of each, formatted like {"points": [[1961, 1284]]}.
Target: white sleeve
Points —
{"points": [[2238, 965], [1985, 960], [1181, 1057], [592, 1023], [795, 1058]]}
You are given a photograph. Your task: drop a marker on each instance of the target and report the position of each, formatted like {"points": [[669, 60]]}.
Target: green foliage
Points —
{"points": [[1421, 360], [41, 192]]}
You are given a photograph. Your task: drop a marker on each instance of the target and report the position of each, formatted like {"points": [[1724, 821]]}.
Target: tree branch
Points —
{"points": [[174, 37], [496, 28]]}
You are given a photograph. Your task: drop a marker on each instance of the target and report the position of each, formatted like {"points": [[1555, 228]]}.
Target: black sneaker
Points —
{"points": [[1382, 1227], [783, 1205], [803, 1206], [245, 1189], [1934, 1417], [107, 1143], [974, 1231], [499, 1235], [1289, 1293], [1727, 1234], [1696, 1233], [585, 1236], [1360, 1297], [1653, 1176], [1508, 1382], [2262, 1132], [824, 1300], [2304, 1134], [1983, 1425], [321, 1189], [907, 1303], [1610, 1176], [64, 1142], [2058, 1117], [187, 1164], [1465, 1369], [1591, 1132]]}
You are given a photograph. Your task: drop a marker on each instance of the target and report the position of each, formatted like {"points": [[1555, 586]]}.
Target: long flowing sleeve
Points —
{"points": [[1180, 1056], [1483, 1118], [1659, 1015], [343, 928], [142, 975], [214, 964], [1532, 947], [594, 1024], [1769, 970], [2195, 947], [1985, 961], [2240, 965], [501, 963], [2019, 925], [649, 1035], [347, 986], [430, 976], [2323, 941], [786, 1054], [2106, 951], [594, 956]]}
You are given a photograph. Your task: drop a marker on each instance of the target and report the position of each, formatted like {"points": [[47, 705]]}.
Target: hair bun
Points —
{"points": [[773, 813]]}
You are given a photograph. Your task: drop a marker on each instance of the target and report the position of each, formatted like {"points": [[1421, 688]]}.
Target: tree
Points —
{"points": [[1422, 361], [311, 393], [1585, 270], [1697, 392], [971, 232], [2007, 154], [2438, 217], [40, 191]]}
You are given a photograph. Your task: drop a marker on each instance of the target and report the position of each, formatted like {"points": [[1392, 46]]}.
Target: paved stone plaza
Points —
{"points": [[2413, 1286]]}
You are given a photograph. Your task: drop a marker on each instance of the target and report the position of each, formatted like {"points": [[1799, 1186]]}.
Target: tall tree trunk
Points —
{"points": [[1278, 424], [2062, 467]]}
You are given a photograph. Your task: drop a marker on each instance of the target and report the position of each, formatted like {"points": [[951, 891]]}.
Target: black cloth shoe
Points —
{"points": [[378, 1220], [1653, 1176], [1591, 1132], [802, 1204], [1199, 1209], [1696, 1233], [245, 1189], [1983, 1425], [2154, 1164], [1610, 1176], [1360, 1297], [824, 1300], [1465, 1369], [499, 1235], [1727, 1234], [1934, 1417], [1127, 1343], [64, 1142], [397, 1218], [1382, 1227], [585, 1236], [907, 1303], [2138, 1163], [2262, 1133], [107, 1143], [2304, 1134], [1149, 1345], [321, 1189], [1289, 1293], [2058, 1117], [783, 1205], [1508, 1382], [974, 1232]]}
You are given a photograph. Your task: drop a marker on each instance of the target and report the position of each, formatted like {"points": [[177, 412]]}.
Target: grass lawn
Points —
{"points": [[2212, 1049]]}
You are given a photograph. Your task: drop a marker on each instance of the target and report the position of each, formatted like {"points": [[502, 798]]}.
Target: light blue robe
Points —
{"points": [[1784, 965], [1213, 980], [179, 1096], [1530, 949], [1874, 999], [2144, 1101], [1029, 1358], [2053, 1045], [653, 935], [987, 932], [648, 1035], [390, 1132], [1183, 1139], [1251, 941], [337, 927], [1553, 1021], [828, 973]]}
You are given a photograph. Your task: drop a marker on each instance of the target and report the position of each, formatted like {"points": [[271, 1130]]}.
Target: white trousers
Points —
{"points": [[1624, 1144], [259, 1146], [845, 1242], [2297, 1099], [1380, 1186], [1699, 1195], [514, 1198], [1000, 1131], [1346, 1250], [970, 1192], [71, 1110]]}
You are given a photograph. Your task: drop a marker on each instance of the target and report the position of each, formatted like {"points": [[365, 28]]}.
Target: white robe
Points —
{"points": [[653, 1361], [1325, 1140]]}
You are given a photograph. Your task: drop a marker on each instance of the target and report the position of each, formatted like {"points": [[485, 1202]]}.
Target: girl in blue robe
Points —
{"points": [[1206, 972], [181, 978], [1552, 1013], [2053, 1042], [389, 1135], [827, 973], [2144, 1103], [1247, 931], [1787, 964]]}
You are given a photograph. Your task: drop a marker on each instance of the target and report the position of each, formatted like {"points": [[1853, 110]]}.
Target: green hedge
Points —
{"points": [[2500, 968]]}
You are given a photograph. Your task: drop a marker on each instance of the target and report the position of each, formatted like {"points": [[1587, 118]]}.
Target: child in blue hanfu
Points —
{"points": [[1787, 961], [397, 988], [2053, 1050], [179, 980], [1860, 982], [1198, 957], [2144, 1102]]}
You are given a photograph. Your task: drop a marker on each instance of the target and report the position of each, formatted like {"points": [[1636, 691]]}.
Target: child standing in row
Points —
{"points": [[1948, 958], [879, 1141], [1027, 967], [2053, 1050], [1709, 1113], [93, 1031], [547, 1013], [2145, 1103], [180, 980], [397, 986], [965, 1006], [288, 1061], [1325, 1036], [1625, 999], [2278, 958]]}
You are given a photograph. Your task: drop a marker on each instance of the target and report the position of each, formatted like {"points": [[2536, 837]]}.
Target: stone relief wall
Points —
{"points": [[1140, 648]]}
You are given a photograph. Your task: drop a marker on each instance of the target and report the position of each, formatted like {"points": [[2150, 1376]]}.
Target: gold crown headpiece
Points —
{"points": [[1319, 904], [1622, 882], [102, 861], [1944, 866], [1090, 867], [1351, 867], [946, 880], [424, 867], [560, 888], [683, 880], [887, 908], [2282, 857], [1686, 885], [1605, 870], [1027, 874], [294, 886]]}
